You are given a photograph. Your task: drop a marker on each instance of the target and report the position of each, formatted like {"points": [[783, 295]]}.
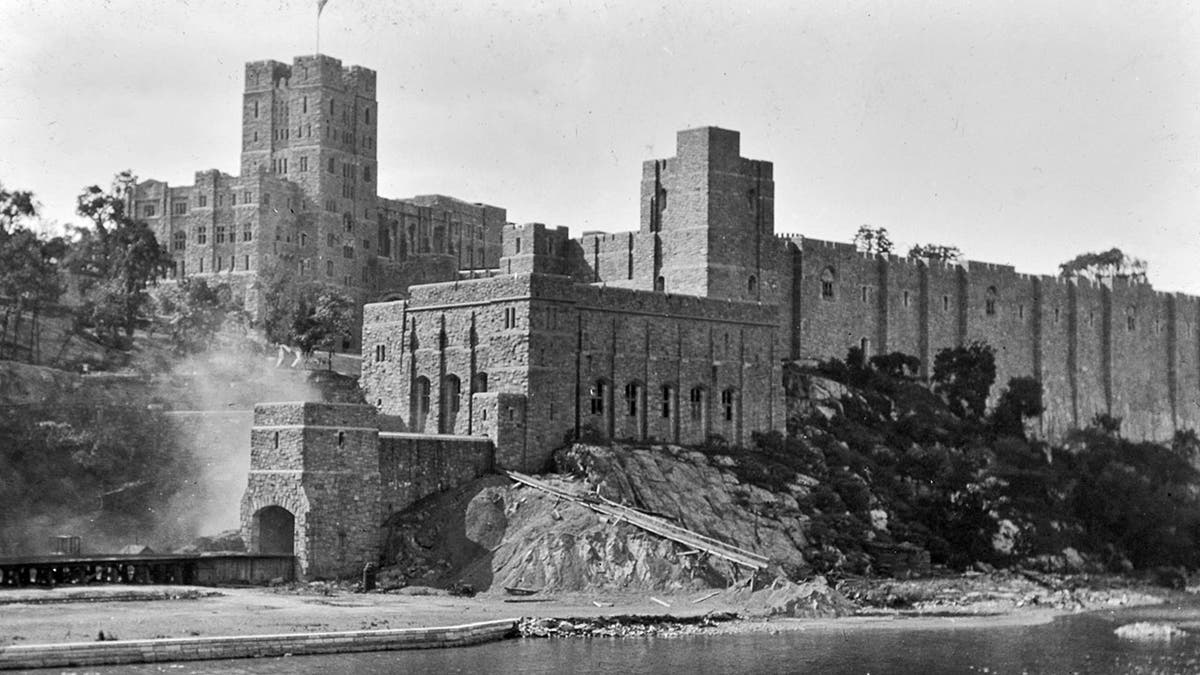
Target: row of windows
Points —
{"points": [[219, 235], [989, 303], [179, 207], [220, 263], [332, 109], [599, 394]]}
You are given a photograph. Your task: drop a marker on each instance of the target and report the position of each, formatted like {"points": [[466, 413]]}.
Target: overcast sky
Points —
{"points": [[1022, 132]]}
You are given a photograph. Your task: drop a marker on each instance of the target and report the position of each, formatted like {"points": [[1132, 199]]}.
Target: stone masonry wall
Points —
{"points": [[414, 466], [1122, 349]]}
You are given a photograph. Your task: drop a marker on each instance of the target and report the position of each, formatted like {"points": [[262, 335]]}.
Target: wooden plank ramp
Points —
{"points": [[649, 523]]}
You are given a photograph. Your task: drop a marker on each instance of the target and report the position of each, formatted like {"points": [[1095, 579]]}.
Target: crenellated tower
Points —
{"points": [[711, 213], [315, 123]]}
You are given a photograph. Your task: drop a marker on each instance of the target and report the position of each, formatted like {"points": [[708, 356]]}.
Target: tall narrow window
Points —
{"points": [[989, 302], [827, 278], [696, 398], [632, 393], [727, 403], [420, 404], [667, 400], [599, 393]]}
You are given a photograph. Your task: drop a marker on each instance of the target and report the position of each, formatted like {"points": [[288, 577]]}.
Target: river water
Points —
{"points": [[1083, 643]]}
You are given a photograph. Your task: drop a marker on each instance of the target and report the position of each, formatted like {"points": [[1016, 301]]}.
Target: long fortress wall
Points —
{"points": [[1123, 349]]}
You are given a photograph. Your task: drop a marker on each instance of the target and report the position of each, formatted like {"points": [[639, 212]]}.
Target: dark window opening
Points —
{"points": [[827, 278], [598, 394]]}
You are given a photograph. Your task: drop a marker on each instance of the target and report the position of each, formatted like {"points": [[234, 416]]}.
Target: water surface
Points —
{"points": [[1073, 644]]}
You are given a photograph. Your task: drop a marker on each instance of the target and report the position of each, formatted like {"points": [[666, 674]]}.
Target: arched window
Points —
{"points": [[598, 393], [479, 384], [448, 404], [380, 353], [668, 397], [827, 279], [865, 345], [1130, 318], [752, 284], [420, 403], [989, 301], [696, 399], [728, 401], [633, 392], [660, 284]]}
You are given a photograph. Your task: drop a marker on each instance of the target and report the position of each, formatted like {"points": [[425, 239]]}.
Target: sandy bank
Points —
{"points": [[29, 618]]}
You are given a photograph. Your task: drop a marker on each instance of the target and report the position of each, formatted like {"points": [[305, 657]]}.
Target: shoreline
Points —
{"points": [[52, 618]]}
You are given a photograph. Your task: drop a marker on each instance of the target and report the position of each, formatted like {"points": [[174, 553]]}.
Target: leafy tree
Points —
{"points": [[192, 312], [325, 320], [873, 240], [15, 205], [897, 365], [30, 278], [1109, 425], [932, 252], [1110, 264], [964, 376], [1022, 399], [307, 315], [118, 258], [1186, 444]]}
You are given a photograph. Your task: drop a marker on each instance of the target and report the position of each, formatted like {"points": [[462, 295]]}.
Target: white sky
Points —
{"points": [[1022, 132]]}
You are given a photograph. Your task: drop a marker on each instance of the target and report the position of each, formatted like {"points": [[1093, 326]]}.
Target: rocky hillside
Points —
{"points": [[878, 476]]}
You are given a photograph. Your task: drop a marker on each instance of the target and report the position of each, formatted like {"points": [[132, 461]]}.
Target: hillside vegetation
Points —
{"points": [[880, 474]]}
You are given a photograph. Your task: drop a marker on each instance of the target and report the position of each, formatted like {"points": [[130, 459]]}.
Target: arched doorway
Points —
{"points": [[276, 527]]}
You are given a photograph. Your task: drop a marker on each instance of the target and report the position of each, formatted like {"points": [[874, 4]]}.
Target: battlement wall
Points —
{"points": [[1120, 347]]}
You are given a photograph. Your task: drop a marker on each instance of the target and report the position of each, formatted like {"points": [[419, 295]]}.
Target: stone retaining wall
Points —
{"points": [[76, 654]]}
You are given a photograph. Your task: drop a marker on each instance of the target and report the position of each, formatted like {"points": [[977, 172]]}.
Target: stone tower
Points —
{"points": [[315, 123], [711, 213], [314, 488]]}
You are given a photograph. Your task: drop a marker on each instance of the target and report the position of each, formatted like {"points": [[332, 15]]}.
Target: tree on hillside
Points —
{"points": [[304, 315], [117, 258], [964, 376], [325, 320], [1021, 400], [192, 312], [30, 278], [935, 252], [1110, 264], [873, 240], [15, 205]]}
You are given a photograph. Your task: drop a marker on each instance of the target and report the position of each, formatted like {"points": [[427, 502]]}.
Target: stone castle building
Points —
{"points": [[306, 195], [675, 332], [679, 330]]}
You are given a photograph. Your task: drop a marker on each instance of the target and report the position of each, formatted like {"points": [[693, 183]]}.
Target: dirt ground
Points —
{"points": [[36, 616]]}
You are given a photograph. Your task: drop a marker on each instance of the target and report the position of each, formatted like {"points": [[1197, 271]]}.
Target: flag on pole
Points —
{"points": [[321, 6]]}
